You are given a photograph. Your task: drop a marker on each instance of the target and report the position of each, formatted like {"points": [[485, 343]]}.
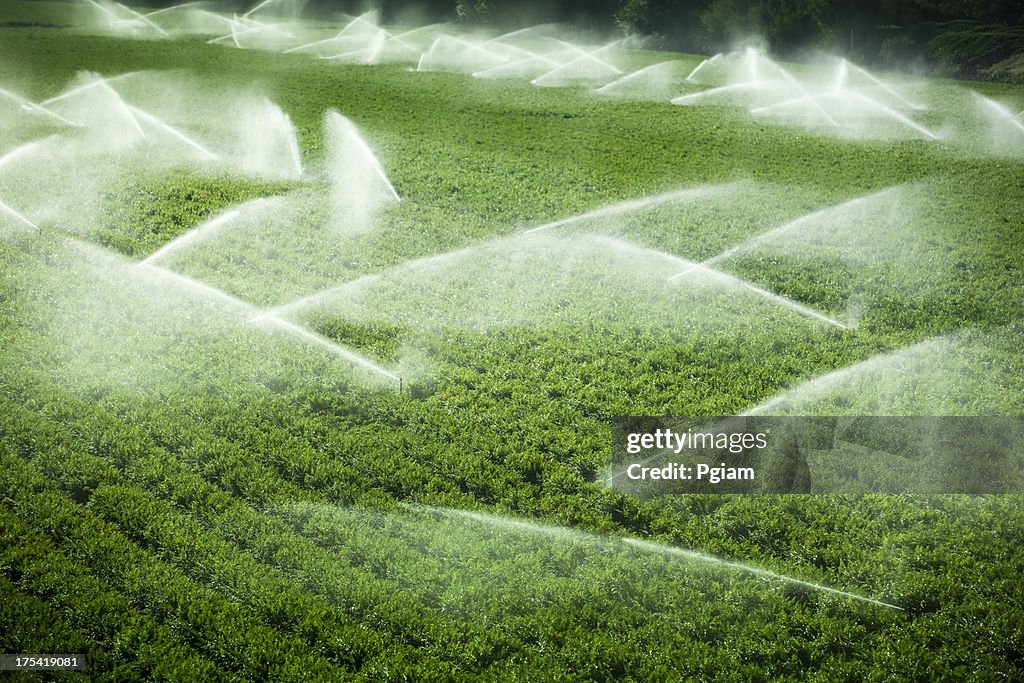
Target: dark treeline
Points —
{"points": [[984, 38]]}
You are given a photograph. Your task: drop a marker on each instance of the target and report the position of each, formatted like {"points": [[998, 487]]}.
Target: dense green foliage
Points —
{"points": [[186, 497]]}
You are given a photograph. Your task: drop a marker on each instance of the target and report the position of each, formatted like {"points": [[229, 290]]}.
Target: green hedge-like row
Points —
{"points": [[120, 642], [229, 636], [29, 625], [183, 540]]}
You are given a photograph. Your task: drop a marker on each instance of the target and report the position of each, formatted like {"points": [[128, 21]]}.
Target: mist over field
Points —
{"points": [[315, 321]]}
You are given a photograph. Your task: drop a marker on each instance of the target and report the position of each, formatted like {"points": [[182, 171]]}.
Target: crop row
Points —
{"points": [[121, 640], [583, 641], [244, 574], [179, 538], [230, 636]]}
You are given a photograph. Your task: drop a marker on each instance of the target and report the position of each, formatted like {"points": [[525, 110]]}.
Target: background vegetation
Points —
{"points": [[963, 39]]}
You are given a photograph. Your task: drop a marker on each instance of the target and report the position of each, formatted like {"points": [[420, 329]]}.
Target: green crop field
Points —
{"points": [[344, 412]]}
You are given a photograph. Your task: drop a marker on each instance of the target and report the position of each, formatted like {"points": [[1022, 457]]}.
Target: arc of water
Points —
{"points": [[789, 103], [706, 63], [235, 32], [411, 32], [368, 55], [622, 207], [1003, 112], [787, 227], [505, 36], [258, 7], [315, 43], [191, 283], [240, 27], [787, 302], [361, 19], [150, 118], [377, 47], [490, 54], [396, 38], [215, 16], [5, 208], [380, 36], [293, 147], [582, 52], [331, 346], [429, 50], [875, 104], [586, 57], [736, 87], [303, 302], [96, 82], [734, 280], [630, 76], [379, 170], [289, 327], [232, 36], [350, 130], [635, 204], [755, 60], [422, 29], [468, 49], [575, 49], [770, 64], [435, 46], [884, 86], [112, 18], [257, 26], [359, 56], [755, 81], [812, 99], [104, 83], [172, 8], [142, 17], [490, 71], [790, 78], [888, 111], [290, 307], [933, 351], [645, 546], [193, 236], [124, 106], [20, 151], [23, 102], [702, 557]]}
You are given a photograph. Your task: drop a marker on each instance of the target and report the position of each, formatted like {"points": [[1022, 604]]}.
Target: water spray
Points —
{"points": [[734, 280], [32, 106], [781, 230], [673, 551], [703, 65], [203, 231], [638, 204], [323, 342], [174, 132], [648, 547], [4, 208]]}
